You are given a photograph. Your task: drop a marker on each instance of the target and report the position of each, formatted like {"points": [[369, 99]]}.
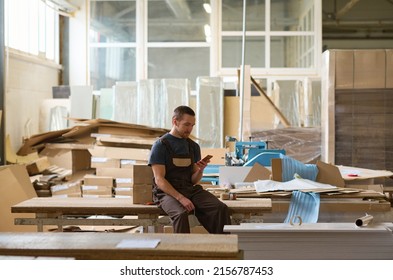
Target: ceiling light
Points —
{"points": [[207, 8]]}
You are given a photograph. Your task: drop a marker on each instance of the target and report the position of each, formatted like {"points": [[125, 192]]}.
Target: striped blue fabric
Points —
{"points": [[303, 204], [291, 166]]}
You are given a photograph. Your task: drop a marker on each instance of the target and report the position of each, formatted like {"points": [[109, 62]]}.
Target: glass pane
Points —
{"points": [[112, 21], [292, 51], [232, 51], [109, 65], [292, 15], [177, 21], [232, 15], [179, 63]]}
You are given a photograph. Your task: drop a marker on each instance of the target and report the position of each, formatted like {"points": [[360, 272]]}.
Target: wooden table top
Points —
{"points": [[120, 206], [104, 245]]}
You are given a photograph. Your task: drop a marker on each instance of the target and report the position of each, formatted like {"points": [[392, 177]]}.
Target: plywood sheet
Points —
{"points": [[369, 69]]}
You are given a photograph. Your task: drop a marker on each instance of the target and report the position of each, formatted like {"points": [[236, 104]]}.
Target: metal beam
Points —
{"points": [[346, 8]]}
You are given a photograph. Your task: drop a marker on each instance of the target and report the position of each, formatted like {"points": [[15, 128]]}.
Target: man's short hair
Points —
{"points": [[182, 110]]}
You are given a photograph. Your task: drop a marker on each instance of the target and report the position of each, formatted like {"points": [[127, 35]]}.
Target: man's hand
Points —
{"points": [[202, 164], [186, 203]]}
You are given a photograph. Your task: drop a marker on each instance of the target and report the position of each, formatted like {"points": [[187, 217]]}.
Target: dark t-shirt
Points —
{"points": [[180, 146]]}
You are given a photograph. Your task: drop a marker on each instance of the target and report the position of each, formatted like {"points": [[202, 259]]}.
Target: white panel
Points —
{"points": [[209, 112], [175, 92], [106, 104], [81, 102], [126, 102]]}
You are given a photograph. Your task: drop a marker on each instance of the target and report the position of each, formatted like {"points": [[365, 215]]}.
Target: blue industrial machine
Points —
{"points": [[246, 153]]}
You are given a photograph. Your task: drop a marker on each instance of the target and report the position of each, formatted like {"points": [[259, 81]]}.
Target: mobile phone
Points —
{"points": [[206, 158]]}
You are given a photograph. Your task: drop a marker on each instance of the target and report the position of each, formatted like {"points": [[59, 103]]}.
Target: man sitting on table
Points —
{"points": [[177, 168]]}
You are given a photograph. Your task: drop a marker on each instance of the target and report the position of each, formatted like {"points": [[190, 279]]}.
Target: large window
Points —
{"points": [[178, 40], [33, 29], [112, 37], [278, 35], [131, 40]]}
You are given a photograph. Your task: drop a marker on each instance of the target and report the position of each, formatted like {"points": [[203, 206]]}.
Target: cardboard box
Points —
{"points": [[120, 153], [327, 173], [217, 153], [15, 187], [237, 174], [124, 182], [142, 193], [67, 157], [68, 195], [140, 174], [97, 190], [38, 166], [126, 163], [87, 196], [93, 180], [121, 191], [71, 188], [102, 162]]}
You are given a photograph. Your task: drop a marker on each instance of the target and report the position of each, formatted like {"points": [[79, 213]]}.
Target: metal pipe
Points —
{"points": [[242, 72]]}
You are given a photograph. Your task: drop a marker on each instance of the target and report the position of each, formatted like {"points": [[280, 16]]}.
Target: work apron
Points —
{"points": [[178, 172]]}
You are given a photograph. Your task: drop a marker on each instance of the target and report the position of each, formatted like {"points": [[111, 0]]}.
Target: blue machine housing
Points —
{"points": [[248, 153]]}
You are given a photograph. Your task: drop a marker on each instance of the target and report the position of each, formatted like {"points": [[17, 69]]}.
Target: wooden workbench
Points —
{"points": [[105, 246], [316, 241], [68, 211]]}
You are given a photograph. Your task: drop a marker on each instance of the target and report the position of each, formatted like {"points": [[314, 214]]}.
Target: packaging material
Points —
{"points": [[97, 190], [93, 180], [344, 69], [100, 162], [123, 192], [38, 166], [327, 174], [139, 174], [300, 143], [369, 69], [69, 188], [372, 187], [389, 68], [68, 157], [15, 187], [126, 163], [142, 194], [120, 153], [230, 175]]}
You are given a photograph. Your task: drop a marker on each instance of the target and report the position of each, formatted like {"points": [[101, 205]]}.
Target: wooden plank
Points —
{"points": [[104, 246]]}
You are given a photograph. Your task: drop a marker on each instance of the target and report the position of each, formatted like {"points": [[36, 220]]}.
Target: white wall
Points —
{"points": [[79, 47], [29, 80]]}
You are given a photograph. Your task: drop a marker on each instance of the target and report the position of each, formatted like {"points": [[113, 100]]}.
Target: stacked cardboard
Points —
{"points": [[97, 186], [67, 189]]}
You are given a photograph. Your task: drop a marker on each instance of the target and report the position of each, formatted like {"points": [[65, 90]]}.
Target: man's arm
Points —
{"points": [[198, 170], [165, 186]]}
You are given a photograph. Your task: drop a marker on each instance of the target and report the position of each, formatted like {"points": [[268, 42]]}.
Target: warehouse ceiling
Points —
{"points": [[341, 19], [357, 19]]}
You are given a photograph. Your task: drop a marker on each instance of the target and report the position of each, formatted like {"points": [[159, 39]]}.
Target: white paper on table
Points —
{"points": [[295, 184], [138, 243]]}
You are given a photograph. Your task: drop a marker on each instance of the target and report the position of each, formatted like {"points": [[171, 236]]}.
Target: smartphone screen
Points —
{"points": [[206, 158]]}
